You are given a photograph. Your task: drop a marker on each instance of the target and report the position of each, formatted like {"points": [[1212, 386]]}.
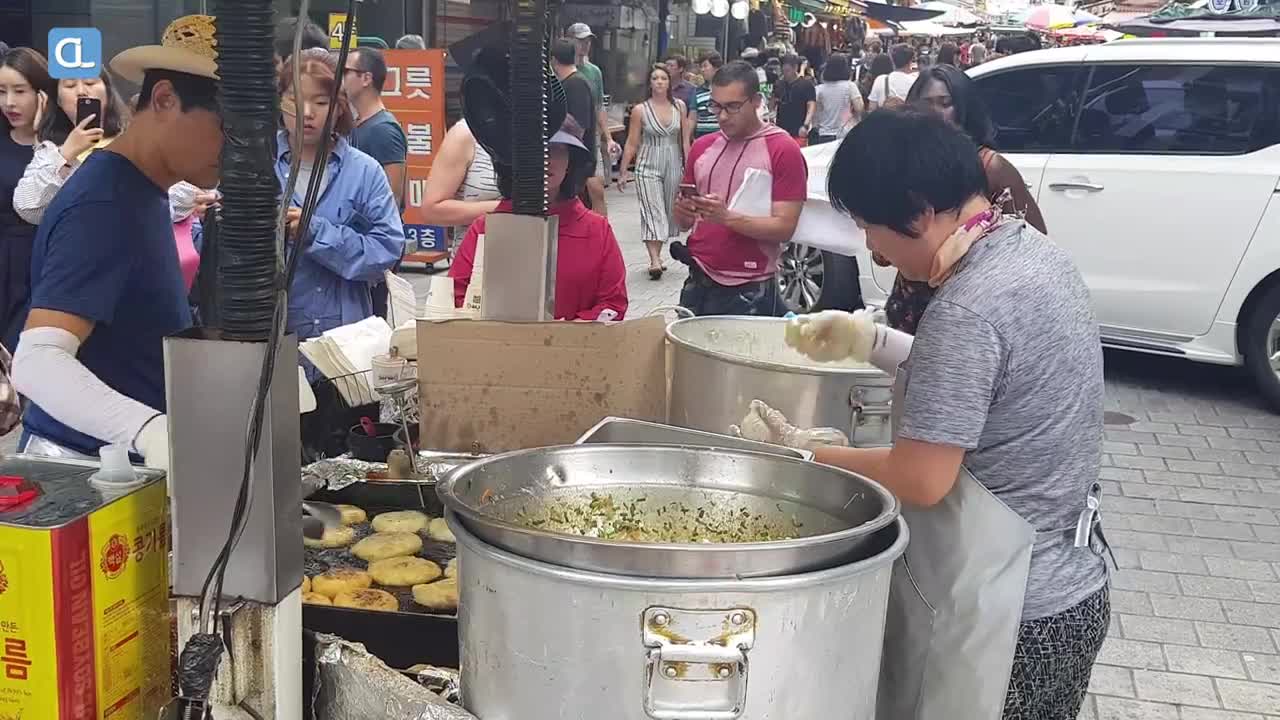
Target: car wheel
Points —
{"points": [[812, 280], [1260, 345]]}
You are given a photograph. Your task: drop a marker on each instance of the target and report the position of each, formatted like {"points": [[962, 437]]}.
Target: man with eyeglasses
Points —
{"points": [[376, 133], [733, 257]]}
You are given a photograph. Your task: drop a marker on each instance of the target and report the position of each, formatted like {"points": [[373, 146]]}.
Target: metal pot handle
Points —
{"points": [[863, 410], [697, 679], [683, 313]]}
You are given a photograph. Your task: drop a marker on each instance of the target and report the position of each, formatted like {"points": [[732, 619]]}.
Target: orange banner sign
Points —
{"points": [[415, 94]]}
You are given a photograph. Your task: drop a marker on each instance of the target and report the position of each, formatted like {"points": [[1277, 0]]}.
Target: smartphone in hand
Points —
{"points": [[688, 190], [87, 106]]}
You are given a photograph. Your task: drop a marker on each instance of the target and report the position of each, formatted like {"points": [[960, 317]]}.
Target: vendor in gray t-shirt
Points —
{"points": [[1001, 604]]}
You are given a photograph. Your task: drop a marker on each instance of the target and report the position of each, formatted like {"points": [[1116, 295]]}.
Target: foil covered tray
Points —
{"points": [[354, 684], [339, 472]]}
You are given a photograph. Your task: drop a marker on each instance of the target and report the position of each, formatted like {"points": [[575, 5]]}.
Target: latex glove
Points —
{"points": [[152, 443], [765, 424], [833, 335]]}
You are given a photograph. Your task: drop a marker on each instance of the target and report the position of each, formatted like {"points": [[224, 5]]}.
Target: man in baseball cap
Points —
{"points": [[106, 284], [582, 36]]}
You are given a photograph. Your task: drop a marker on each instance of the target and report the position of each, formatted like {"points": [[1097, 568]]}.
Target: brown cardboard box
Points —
{"points": [[493, 386]]}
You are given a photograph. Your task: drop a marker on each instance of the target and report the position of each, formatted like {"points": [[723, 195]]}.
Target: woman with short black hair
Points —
{"points": [[1002, 603], [839, 102], [950, 93]]}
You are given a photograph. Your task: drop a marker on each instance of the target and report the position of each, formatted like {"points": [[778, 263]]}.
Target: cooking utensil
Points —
{"points": [[832, 512], [545, 642]]}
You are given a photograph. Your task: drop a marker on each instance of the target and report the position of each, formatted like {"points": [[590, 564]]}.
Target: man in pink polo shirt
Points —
{"points": [[734, 255]]}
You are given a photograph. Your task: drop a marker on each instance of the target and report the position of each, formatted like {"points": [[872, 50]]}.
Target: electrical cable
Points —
{"points": [[217, 573], [197, 653]]}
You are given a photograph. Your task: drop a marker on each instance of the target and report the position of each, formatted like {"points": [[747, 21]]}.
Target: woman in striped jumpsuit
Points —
{"points": [[653, 141]]}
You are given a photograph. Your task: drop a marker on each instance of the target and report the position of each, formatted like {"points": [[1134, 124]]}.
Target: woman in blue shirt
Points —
{"points": [[356, 234]]}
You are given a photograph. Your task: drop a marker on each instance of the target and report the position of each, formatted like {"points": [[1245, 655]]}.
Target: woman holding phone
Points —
{"points": [[87, 114]]}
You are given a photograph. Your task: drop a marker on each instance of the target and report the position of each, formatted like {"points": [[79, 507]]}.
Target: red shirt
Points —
{"points": [[590, 274], [717, 165]]}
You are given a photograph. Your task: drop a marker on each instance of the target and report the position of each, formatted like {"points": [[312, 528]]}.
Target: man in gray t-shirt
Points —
{"points": [[1027, 407]]}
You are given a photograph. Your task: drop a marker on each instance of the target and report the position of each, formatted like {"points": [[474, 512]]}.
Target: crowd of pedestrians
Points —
{"points": [[93, 219]]}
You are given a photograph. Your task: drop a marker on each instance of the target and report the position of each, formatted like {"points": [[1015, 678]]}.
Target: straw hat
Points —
{"points": [[188, 46]]}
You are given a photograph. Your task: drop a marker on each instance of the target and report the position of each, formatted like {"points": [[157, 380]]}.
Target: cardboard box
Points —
{"points": [[84, 608], [495, 386]]}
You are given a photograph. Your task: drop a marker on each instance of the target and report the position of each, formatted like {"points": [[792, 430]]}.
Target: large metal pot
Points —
{"points": [[720, 364], [545, 642], [817, 516]]}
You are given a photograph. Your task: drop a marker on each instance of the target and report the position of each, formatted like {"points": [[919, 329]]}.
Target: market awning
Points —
{"points": [[928, 28]]}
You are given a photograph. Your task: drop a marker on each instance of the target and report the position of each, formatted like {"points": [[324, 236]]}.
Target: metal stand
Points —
{"points": [[210, 384], [520, 267]]}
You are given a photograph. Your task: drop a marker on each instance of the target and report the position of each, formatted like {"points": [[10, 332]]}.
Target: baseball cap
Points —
{"points": [[578, 31]]}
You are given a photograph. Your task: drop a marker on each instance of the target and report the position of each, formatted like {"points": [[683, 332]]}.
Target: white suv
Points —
{"points": [[1156, 164]]}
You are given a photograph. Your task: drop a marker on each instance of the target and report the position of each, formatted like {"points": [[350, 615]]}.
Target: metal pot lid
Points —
{"points": [[812, 516], [758, 342]]}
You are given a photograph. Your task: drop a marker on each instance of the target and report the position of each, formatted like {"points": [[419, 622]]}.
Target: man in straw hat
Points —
{"points": [[106, 287]]}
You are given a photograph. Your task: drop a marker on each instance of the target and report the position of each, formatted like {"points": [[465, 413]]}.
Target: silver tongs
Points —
{"points": [[318, 517]]}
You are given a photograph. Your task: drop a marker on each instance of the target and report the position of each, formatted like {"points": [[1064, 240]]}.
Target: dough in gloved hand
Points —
{"points": [[765, 424], [402, 521], [368, 600], [404, 571], [833, 335], [380, 546]]}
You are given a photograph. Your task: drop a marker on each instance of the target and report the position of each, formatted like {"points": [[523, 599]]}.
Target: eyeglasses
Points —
{"points": [[732, 108]]}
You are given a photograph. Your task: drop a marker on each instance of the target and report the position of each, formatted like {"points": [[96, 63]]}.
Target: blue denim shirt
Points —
{"points": [[356, 236]]}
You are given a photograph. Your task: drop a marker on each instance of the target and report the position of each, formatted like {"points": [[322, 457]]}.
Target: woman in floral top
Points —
{"points": [[952, 94]]}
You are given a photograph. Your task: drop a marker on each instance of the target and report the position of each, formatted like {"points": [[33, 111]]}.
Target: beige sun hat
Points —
{"points": [[189, 45]]}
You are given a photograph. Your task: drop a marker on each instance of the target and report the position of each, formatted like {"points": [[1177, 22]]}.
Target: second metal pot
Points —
{"points": [[718, 365]]}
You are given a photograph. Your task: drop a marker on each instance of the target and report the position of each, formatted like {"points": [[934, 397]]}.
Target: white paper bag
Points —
{"points": [[820, 225]]}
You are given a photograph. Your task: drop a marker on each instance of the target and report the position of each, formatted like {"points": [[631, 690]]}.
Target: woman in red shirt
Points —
{"points": [[591, 282]]}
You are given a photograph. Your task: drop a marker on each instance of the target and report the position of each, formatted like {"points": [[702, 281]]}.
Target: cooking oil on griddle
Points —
{"points": [[84, 626]]}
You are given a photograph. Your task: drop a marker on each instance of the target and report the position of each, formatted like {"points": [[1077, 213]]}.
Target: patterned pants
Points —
{"points": [[1054, 659]]}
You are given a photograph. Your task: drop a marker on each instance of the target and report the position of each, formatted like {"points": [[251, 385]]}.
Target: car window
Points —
{"points": [[1033, 108], [1174, 109]]}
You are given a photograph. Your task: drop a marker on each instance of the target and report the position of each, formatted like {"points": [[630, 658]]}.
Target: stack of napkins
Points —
{"points": [[345, 354]]}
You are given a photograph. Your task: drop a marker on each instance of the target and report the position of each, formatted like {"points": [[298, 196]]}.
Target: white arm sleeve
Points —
{"points": [[47, 371], [40, 182], [890, 348]]}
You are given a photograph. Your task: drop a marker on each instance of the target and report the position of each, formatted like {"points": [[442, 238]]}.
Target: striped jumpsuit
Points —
{"points": [[659, 167]]}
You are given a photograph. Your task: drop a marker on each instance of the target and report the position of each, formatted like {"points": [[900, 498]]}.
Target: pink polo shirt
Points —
{"points": [[717, 165]]}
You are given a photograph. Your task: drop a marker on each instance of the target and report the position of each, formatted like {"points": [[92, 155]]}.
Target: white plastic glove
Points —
{"points": [[765, 424], [152, 443], [833, 335]]}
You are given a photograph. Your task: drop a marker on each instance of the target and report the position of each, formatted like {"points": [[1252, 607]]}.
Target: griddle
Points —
{"points": [[400, 639]]}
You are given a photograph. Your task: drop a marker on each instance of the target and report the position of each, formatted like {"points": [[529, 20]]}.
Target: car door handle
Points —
{"points": [[1088, 187]]}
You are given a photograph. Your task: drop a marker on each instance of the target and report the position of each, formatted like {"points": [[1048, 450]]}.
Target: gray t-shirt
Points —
{"points": [[1007, 364]]}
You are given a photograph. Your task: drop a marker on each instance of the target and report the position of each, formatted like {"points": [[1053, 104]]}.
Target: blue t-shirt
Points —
{"points": [[105, 251]]}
